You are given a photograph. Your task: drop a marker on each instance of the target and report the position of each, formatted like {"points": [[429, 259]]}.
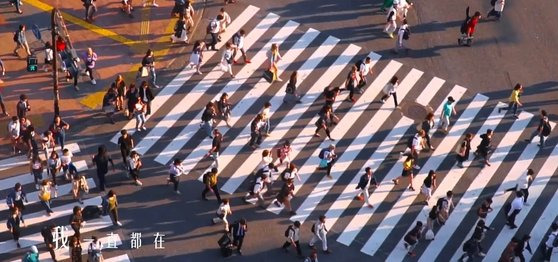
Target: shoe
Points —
{"points": [[138, 129], [390, 35], [144, 4], [76, 88], [459, 165], [329, 176], [361, 198], [292, 213], [177, 192], [527, 140], [416, 167], [512, 226], [412, 254], [143, 128], [37, 186], [267, 135], [118, 223], [411, 188], [317, 135], [80, 201], [370, 206], [515, 116], [395, 181], [93, 82], [277, 203], [331, 139], [156, 86], [214, 49], [279, 80], [526, 204], [382, 101], [247, 61], [18, 245], [235, 62], [138, 183], [155, 5], [499, 109], [20, 12], [481, 254]]}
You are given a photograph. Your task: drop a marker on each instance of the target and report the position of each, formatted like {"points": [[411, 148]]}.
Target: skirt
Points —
{"points": [[195, 59]]}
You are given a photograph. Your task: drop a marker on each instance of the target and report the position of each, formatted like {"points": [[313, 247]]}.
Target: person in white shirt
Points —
{"points": [[402, 36], [14, 129], [390, 90], [549, 245], [48, 57], [364, 70], [227, 59], [258, 189], [94, 250], [238, 41], [293, 238], [391, 23], [516, 206], [226, 21], [267, 158], [523, 183], [291, 172], [222, 212], [266, 115], [320, 231], [415, 145], [175, 171], [214, 29], [67, 165], [445, 204]]}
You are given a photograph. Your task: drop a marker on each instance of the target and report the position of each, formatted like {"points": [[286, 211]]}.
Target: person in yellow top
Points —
{"points": [[514, 100], [45, 196], [112, 204], [210, 182], [407, 172], [274, 57]]}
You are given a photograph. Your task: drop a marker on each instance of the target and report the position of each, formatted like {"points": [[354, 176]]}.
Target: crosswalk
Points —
{"points": [[35, 216]]}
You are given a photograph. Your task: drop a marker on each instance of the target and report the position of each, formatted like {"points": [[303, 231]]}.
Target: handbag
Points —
{"points": [[429, 235], [144, 71], [323, 163], [269, 76]]}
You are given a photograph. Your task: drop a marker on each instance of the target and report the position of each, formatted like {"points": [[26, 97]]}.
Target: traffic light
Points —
{"points": [[32, 63]]}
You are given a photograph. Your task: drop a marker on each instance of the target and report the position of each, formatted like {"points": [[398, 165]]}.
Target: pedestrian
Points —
{"points": [[330, 95], [133, 96], [224, 108], [14, 224], [68, 166], [523, 183], [266, 115], [479, 234], [146, 96], [16, 197], [391, 24], [257, 189], [21, 41], [543, 130], [328, 158], [429, 184], [324, 121], [256, 129], [514, 102], [75, 249], [291, 172], [447, 111], [284, 154], [313, 257], [49, 53], [210, 183], [213, 29], [497, 8], [508, 255], [14, 130], [239, 229], [127, 7], [148, 63], [411, 239], [140, 108], [390, 90], [208, 119], [238, 43], [45, 195], [468, 28], [47, 232], [433, 215], [110, 102], [445, 205], [427, 125], [90, 10], [364, 69], [223, 211], [47, 144], [291, 96], [17, 4], [293, 238], [90, 60], [319, 231], [178, 8], [402, 35], [189, 13], [485, 146], [28, 138], [513, 209], [407, 172], [285, 195], [351, 83], [120, 86], [196, 57], [101, 160], [134, 167], [215, 147], [59, 128], [267, 168], [363, 185], [112, 207], [175, 171], [180, 33], [76, 221], [23, 106], [126, 143], [402, 9], [414, 145], [227, 59], [3, 66], [36, 169], [485, 208], [463, 150], [522, 245], [274, 58], [94, 251], [31, 256], [471, 248], [551, 242], [226, 21], [79, 184]]}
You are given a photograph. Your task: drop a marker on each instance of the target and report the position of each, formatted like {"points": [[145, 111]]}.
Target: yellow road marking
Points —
{"points": [[78, 21]]}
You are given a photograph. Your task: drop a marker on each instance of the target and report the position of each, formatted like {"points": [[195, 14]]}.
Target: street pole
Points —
{"points": [[54, 62]]}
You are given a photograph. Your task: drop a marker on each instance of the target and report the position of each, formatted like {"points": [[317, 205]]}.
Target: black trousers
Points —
{"points": [[102, 183], [255, 138], [237, 241], [125, 153], [175, 181], [215, 191], [329, 166], [511, 218], [394, 98], [90, 71], [214, 37], [288, 244]]}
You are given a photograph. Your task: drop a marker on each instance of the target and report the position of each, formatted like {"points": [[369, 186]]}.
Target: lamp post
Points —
{"points": [[54, 62]]}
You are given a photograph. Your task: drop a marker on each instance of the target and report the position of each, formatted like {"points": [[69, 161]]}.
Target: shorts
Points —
{"points": [[406, 173]]}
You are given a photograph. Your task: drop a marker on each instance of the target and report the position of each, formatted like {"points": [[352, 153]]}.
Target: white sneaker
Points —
{"points": [[37, 186], [118, 223], [416, 167], [138, 129], [382, 101], [155, 5], [93, 82], [143, 128], [526, 204], [481, 254], [139, 183]]}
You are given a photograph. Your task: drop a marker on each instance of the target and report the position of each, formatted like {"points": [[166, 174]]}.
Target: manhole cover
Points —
{"points": [[415, 110]]}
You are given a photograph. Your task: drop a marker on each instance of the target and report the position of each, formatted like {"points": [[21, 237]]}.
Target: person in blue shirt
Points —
{"points": [[21, 40], [447, 111]]}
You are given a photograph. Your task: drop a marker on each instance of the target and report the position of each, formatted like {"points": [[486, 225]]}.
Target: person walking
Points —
{"points": [[90, 60], [285, 195], [215, 147], [522, 245], [238, 230], [328, 158], [549, 245], [293, 238], [433, 215], [75, 249], [180, 33], [414, 145], [224, 108], [68, 166], [364, 69], [14, 130], [274, 58], [291, 96], [411, 239], [257, 189], [284, 154], [101, 161], [213, 29], [447, 111], [127, 7], [427, 125], [514, 209], [514, 102], [391, 24], [140, 108], [14, 224], [429, 184], [227, 59], [210, 183], [94, 251], [223, 211], [120, 87], [479, 233], [112, 207], [324, 121], [175, 171], [36, 168], [146, 96], [542, 131], [351, 83], [47, 145], [79, 184], [468, 28], [90, 10], [445, 205], [266, 115], [363, 185], [59, 128], [133, 96], [256, 129], [148, 63], [226, 21], [47, 232], [110, 102], [196, 57], [238, 42], [523, 183], [208, 119], [21, 41], [497, 9], [390, 90], [22, 106], [485, 208], [126, 144], [464, 150], [313, 256], [49, 56], [134, 166], [319, 231], [485, 146], [402, 35], [330, 95], [407, 172], [16, 197], [77, 221]]}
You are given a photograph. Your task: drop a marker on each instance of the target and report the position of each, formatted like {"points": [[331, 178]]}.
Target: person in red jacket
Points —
{"points": [[473, 23]]}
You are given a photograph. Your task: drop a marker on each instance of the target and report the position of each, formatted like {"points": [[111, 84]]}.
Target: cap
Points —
{"points": [[451, 99]]}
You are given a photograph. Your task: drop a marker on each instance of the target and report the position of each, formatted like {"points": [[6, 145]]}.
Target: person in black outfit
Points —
{"points": [[133, 96], [427, 124], [464, 150], [126, 144], [485, 145], [148, 62], [101, 160], [22, 106], [14, 224], [330, 94], [238, 231], [146, 96], [48, 239], [485, 208], [521, 246], [256, 131]]}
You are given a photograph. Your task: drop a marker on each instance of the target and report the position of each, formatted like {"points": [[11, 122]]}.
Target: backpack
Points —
{"points": [[440, 202], [359, 63], [322, 153], [16, 36], [546, 128], [287, 231]]}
